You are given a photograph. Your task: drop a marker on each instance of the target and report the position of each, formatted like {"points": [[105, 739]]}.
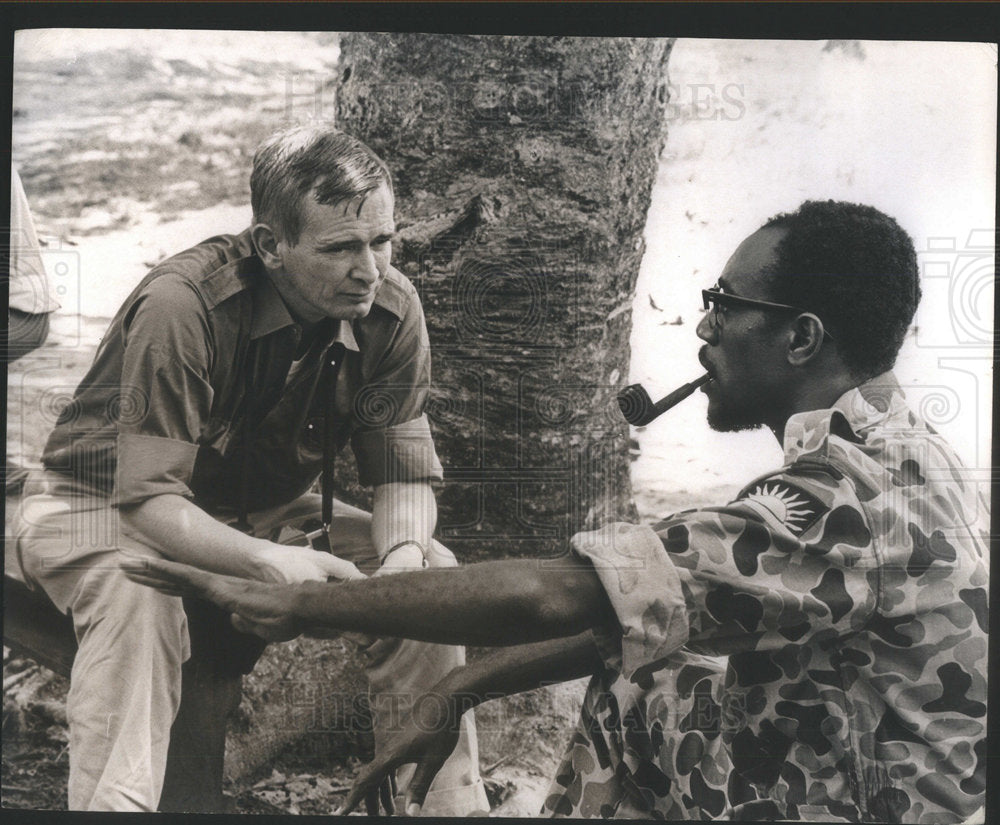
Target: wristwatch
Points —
{"points": [[417, 544]]}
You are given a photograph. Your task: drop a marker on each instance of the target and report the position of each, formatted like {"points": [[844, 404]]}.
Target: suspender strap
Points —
{"points": [[334, 357], [248, 424], [331, 369]]}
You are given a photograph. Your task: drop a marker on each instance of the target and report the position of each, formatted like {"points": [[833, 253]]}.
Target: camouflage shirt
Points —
{"points": [[849, 592]]}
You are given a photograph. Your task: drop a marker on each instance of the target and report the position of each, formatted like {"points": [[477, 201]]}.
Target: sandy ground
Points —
{"points": [[756, 127]]}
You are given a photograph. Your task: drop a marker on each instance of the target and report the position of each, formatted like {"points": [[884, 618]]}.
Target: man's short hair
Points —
{"points": [[315, 158], [856, 268]]}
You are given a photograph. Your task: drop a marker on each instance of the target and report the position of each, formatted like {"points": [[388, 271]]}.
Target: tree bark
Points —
{"points": [[523, 168]]}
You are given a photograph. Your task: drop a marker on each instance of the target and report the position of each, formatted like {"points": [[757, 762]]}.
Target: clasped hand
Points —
{"points": [[291, 565], [260, 607]]}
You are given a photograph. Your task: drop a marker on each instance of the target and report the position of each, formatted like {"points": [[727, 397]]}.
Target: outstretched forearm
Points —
{"points": [[431, 733], [507, 602], [497, 603], [516, 669]]}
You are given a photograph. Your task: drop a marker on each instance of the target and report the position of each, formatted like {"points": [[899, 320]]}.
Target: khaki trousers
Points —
{"points": [[125, 687]]}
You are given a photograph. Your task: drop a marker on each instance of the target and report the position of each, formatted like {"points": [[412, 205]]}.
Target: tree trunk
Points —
{"points": [[523, 168]]}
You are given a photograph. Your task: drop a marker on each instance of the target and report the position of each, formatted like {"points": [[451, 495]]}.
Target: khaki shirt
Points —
{"points": [[199, 364]]}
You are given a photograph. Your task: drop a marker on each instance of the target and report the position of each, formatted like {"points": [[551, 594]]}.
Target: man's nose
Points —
{"points": [[366, 266], [706, 330]]}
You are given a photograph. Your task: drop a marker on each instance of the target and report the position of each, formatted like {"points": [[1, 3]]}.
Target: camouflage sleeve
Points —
{"points": [[644, 589], [791, 557]]}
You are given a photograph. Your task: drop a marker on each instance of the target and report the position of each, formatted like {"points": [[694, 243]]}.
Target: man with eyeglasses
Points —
{"points": [[848, 588]]}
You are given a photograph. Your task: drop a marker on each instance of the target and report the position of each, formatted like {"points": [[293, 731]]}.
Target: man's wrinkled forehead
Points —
{"points": [[346, 206], [372, 211]]}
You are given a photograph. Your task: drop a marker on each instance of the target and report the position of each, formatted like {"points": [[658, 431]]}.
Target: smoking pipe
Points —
{"points": [[638, 408]]}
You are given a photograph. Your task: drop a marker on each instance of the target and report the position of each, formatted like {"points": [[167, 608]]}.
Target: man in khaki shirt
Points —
{"points": [[224, 387]]}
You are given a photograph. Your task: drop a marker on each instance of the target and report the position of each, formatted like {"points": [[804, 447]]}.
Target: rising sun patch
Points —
{"points": [[792, 506]]}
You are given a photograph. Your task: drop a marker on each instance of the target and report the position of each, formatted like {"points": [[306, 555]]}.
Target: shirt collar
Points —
{"points": [[245, 271], [872, 402], [345, 336], [852, 415], [394, 293], [269, 310], [271, 314]]}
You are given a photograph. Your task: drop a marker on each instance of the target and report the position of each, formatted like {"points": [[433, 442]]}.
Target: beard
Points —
{"points": [[726, 416]]}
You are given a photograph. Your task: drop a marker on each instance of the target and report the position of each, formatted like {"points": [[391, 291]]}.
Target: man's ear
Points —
{"points": [[266, 241], [805, 339]]}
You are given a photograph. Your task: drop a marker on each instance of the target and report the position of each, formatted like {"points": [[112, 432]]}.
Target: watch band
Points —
{"points": [[417, 544]]}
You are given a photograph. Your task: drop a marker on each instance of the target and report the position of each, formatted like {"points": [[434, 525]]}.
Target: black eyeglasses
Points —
{"points": [[715, 299]]}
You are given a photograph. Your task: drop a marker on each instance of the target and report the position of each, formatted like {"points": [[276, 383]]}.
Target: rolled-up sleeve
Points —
{"points": [[742, 578], [165, 390], [644, 589], [401, 453], [392, 441]]}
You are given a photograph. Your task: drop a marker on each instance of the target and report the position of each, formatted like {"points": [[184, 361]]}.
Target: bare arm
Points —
{"points": [[182, 531], [403, 512], [524, 667], [493, 603], [429, 739]]}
